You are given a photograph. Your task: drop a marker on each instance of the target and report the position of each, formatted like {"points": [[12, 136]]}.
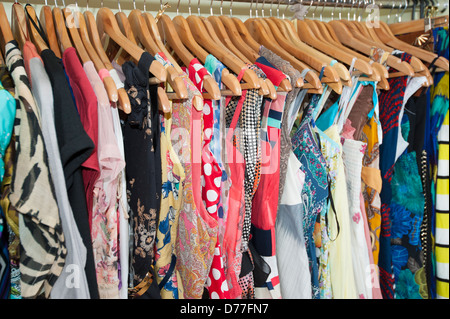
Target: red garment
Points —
{"points": [[87, 105], [211, 184], [236, 204]]}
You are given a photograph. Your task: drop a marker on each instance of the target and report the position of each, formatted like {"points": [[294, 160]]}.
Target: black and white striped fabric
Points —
{"points": [[43, 250]]}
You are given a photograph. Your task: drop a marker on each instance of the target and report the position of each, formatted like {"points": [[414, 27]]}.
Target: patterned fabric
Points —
{"points": [[141, 131], [211, 184], [371, 187], [11, 215], [331, 152], [442, 211], [171, 201], [105, 223], [391, 102], [265, 201], [439, 112], [315, 190], [197, 230], [5, 267], [42, 241]]}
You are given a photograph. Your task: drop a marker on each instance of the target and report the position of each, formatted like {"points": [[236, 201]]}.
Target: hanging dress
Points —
{"points": [[141, 131], [315, 190], [211, 184]]}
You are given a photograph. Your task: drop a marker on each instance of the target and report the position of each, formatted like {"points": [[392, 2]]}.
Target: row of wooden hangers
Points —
{"points": [[310, 45]]}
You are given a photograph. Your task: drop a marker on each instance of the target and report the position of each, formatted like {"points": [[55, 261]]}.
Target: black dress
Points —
{"points": [[141, 136]]}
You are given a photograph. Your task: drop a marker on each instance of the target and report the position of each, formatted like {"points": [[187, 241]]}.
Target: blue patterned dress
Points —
{"points": [[315, 190]]}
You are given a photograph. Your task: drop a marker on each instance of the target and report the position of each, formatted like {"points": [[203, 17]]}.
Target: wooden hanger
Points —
{"points": [[91, 27], [133, 49], [348, 38], [202, 36], [225, 37], [322, 34], [5, 28], [75, 36], [265, 37], [180, 26], [238, 42], [417, 25], [140, 29], [264, 83], [154, 32], [369, 33], [235, 38], [380, 73], [108, 81], [35, 37], [369, 37], [106, 23], [113, 50], [330, 77], [309, 55], [19, 24], [331, 37], [46, 18], [306, 35], [389, 38], [167, 28], [60, 29], [332, 73]]}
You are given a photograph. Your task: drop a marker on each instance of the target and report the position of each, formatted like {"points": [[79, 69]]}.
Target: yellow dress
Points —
{"points": [[171, 201]]}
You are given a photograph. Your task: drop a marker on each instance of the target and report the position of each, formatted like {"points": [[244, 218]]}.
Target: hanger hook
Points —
{"points": [[315, 8], [278, 9], [256, 9], [323, 8], [231, 8], [270, 10], [118, 6], [389, 14], [334, 9], [211, 11], [251, 11], [262, 9], [178, 7]]}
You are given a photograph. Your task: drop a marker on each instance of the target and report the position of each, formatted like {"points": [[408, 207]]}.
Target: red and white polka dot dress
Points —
{"points": [[211, 179]]}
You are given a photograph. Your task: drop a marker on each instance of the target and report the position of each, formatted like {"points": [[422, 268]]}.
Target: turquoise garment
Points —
{"points": [[7, 116], [327, 118]]}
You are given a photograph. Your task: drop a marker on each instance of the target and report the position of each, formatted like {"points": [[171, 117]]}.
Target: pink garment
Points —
{"points": [[211, 182], [105, 215]]}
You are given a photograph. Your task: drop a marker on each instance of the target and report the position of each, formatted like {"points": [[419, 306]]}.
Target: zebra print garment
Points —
{"points": [[42, 247]]}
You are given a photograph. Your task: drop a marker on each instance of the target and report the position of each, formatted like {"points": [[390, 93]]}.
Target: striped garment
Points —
{"points": [[442, 212], [43, 250]]}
